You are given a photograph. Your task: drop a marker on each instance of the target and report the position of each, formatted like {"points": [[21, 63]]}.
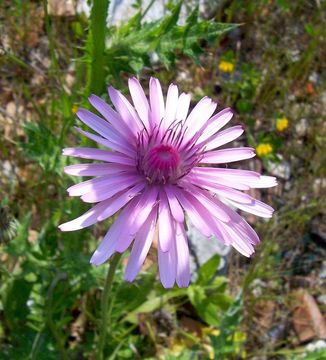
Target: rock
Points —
{"points": [[318, 230], [314, 77], [61, 7], [281, 170], [301, 127], [257, 287], [322, 272], [322, 299], [294, 55], [315, 346], [202, 249], [319, 185]]}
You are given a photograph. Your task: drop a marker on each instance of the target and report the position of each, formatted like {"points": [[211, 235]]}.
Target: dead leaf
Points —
{"points": [[307, 319], [61, 7], [265, 311]]}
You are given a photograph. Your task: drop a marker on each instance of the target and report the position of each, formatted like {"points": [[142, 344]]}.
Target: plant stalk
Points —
{"points": [[105, 319], [96, 45]]}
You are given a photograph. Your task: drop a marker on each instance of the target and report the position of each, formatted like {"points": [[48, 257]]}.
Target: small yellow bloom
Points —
{"points": [[264, 149], [210, 351], [210, 331], [74, 108], [226, 66], [282, 124]]}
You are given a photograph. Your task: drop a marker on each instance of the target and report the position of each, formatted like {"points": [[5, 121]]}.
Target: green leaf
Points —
{"points": [[208, 270], [205, 308], [153, 303], [131, 44]]}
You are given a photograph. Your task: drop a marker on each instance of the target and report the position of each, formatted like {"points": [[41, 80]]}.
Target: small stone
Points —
{"points": [[321, 299], [319, 185], [301, 127], [202, 249], [281, 170], [11, 109], [61, 8], [315, 346], [313, 77]]}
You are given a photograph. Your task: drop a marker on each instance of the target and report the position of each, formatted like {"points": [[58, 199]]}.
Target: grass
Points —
{"points": [[49, 294]]}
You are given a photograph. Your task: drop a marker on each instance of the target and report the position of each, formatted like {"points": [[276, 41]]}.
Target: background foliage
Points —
{"points": [[273, 68]]}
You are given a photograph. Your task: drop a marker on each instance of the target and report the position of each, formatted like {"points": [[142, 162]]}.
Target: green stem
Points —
{"points": [[104, 304], [96, 45]]}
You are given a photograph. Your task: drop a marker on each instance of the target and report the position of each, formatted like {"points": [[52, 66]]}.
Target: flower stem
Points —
{"points": [[105, 319]]}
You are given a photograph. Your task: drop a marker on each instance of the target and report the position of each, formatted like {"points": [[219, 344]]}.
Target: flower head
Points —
{"points": [[226, 66], [282, 124], [163, 163], [264, 149]]}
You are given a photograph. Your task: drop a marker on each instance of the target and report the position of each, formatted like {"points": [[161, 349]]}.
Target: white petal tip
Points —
{"points": [[168, 286], [65, 227], [129, 278], [183, 284]]}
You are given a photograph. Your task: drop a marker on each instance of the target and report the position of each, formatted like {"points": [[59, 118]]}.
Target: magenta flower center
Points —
{"points": [[164, 158]]}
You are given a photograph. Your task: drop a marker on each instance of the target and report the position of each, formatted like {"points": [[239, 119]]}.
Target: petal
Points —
{"points": [[167, 263], [227, 173], [240, 244], [240, 223], [141, 246], [114, 145], [110, 115], [110, 188], [165, 224], [243, 250], [175, 207], [126, 111], [171, 105], [143, 208], [183, 106], [96, 169], [255, 207], [99, 125], [112, 237], [199, 116], [156, 101], [86, 186], [198, 215], [207, 200], [224, 191], [138, 217], [228, 155], [182, 250], [119, 201], [215, 123], [98, 154], [262, 182], [140, 101], [85, 220], [195, 178], [223, 137]]}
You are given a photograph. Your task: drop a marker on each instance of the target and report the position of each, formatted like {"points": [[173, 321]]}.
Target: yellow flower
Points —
{"points": [[210, 331], [282, 124], [74, 108], [226, 66], [264, 149]]}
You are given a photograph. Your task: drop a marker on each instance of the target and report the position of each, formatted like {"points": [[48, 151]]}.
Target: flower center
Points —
{"points": [[161, 164], [164, 158]]}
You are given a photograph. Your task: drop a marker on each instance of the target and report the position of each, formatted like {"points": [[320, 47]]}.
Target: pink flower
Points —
{"points": [[163, 163]]}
